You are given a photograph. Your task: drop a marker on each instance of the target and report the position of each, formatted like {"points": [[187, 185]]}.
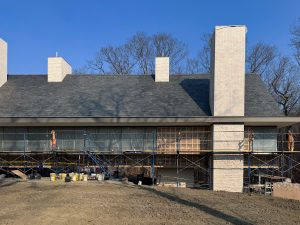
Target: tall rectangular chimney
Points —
{"points": [[3, 62], [227, 90], [162, 69], [227, 98]]}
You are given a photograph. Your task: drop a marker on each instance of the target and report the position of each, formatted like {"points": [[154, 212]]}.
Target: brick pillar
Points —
{"points": [[227, 98], [227, 171]]}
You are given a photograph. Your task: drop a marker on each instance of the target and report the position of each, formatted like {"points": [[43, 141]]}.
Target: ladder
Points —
{"points": [[93, 157], [97, 161], [268, 188]]}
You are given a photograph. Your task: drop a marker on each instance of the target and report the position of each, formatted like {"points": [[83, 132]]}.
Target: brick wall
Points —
{"points": [[228, 172]]}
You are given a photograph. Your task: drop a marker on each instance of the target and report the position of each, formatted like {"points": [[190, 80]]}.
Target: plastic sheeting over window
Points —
{"points": [[101, 139], [116, 140], [261, 139]]}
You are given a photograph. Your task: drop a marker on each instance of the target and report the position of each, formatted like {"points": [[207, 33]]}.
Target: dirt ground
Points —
{"points": [[43, 202]]}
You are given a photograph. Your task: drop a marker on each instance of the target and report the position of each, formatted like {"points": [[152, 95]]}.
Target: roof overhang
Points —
{"points": [[147, 121]]}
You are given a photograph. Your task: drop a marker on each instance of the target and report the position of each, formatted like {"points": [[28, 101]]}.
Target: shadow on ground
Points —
{"points": [[204, 208], [5, 183]]}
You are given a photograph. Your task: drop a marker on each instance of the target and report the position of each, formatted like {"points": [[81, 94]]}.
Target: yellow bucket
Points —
{"points": [[75, 177], [81, 177], [53, 177], [62, 176]]}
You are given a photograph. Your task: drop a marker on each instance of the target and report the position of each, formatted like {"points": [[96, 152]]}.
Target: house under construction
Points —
{"points": [[219, 130]]}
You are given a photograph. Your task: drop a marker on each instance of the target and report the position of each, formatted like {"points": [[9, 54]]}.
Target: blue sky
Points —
{"points": [[36, 29]]}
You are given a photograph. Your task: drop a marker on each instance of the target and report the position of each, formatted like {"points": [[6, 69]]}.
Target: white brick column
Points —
{"points": [[228, 172], [227, 167], [227, 89], [227, 99]]}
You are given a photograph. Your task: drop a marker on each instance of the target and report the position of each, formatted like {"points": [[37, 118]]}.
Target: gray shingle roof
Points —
{"points": [[121, 96], [258, 100]]}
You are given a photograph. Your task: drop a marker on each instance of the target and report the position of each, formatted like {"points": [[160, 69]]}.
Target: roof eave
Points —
{"points": [[146, 121]]}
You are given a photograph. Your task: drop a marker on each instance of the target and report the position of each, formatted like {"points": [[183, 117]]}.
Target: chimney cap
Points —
{"points": [[219, 27]]}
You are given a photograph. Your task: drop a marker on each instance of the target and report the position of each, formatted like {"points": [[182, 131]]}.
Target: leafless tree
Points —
{"points": [[284, 84], [295, 40], [118, 59], [96, 65], [259, 58], [279, 74], [205, 52], [138, 54], [142, 51], [166, 45], [201, 63], [80, 71], [193, 66]]}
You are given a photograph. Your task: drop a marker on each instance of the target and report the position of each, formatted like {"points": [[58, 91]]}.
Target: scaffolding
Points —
{"points": [[132, 153]]}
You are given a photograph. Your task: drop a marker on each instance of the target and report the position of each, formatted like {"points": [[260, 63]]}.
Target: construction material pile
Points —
{"points": [[286, 190]]}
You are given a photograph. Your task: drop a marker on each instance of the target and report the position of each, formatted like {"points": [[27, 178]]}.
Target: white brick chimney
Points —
{"points": [[227, 90], [58, 68], [227, 98], [3, 62], [162, 69]]}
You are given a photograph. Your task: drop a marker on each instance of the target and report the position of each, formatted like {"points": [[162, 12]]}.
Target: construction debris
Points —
{"points": [[286, 190], [19, 174]]}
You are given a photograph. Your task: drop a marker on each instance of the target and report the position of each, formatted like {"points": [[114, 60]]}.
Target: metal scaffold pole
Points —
{"points": [[178, 139], [78, 166], [176, 153], [153, 160], [210, 158], [282, 164], [249, 169], [24, 154]]}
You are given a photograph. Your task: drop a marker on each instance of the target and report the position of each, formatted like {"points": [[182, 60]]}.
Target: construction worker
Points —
{"points": [[250, 139], [53, 140], [291, 141]]}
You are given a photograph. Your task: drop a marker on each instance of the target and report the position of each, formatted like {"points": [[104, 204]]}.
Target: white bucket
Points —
{"points": [[85, 177], [100, 176]]}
